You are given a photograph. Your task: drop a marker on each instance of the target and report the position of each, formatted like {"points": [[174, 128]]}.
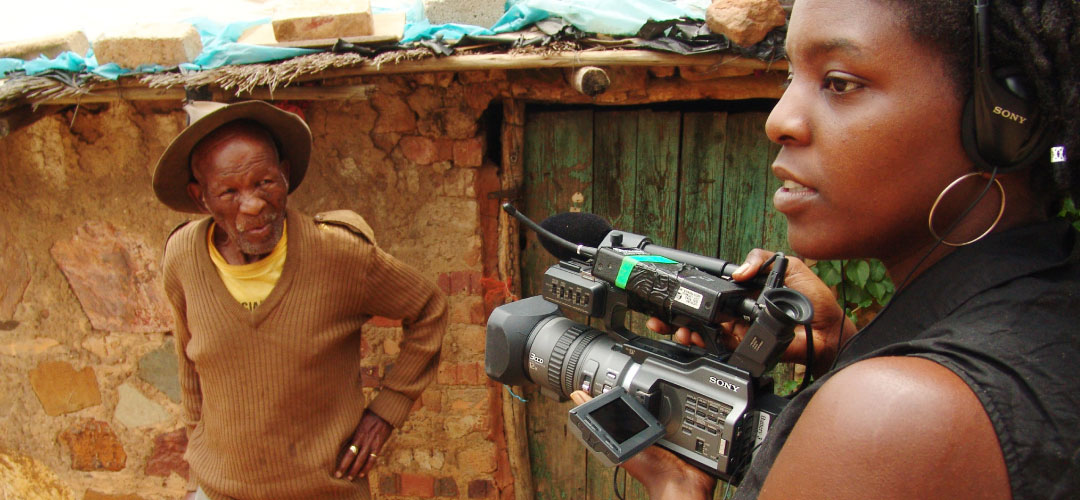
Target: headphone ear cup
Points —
{"points": [[1001, 127]]}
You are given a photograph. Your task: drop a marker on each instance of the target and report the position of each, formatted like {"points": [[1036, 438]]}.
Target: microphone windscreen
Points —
{"points": [[579, 228]]}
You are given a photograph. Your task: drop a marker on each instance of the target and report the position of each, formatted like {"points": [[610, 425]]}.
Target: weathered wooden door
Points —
{"points": [[694, 177]]}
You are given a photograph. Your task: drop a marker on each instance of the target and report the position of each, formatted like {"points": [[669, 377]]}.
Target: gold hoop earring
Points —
{"points": [[1001, 210]]}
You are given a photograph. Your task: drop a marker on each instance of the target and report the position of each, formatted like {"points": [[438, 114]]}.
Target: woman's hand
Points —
{"points": [[829, 327], [664, 475]]}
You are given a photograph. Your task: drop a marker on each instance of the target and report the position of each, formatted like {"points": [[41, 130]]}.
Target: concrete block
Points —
{"points": [[296, 20], [476, 12], [49, 46], [260, 34], [167, 44]]}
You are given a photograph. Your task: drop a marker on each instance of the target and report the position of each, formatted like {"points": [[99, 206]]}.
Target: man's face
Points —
{"points": [[241, 183]]}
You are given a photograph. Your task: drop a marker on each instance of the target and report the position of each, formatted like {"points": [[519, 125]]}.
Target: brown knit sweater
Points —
{"points": [[271, 395]]}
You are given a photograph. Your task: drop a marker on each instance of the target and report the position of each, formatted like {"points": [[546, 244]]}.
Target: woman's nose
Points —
{"points": [[787, 123]]}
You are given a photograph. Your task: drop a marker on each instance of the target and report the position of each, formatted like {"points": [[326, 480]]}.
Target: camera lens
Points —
{"points": [[557, 351]]}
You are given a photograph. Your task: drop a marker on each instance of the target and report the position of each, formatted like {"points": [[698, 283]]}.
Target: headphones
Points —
{"points": [[1002, 128]]}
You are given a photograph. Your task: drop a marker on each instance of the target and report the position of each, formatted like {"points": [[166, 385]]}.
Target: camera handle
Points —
{"points": [[773, 318], [614, 318]]}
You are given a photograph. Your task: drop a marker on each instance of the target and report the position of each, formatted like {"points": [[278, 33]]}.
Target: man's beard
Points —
{"points": [[249, 248]]}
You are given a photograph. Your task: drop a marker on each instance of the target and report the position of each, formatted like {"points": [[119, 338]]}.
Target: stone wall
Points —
{"points": [[89, 399], [89, 402]]}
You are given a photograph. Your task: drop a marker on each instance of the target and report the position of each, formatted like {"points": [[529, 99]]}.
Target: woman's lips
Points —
{"points": [[790, 195], [793, 186]]}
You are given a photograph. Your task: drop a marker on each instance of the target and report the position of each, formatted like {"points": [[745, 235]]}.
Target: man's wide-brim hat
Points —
{"points": [[173, 171]]}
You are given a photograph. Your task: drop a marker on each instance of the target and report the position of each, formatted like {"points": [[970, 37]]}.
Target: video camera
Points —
{"points": [[710, 406]]}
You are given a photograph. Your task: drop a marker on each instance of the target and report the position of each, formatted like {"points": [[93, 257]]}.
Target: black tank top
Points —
{"points": [[1004, 315]]}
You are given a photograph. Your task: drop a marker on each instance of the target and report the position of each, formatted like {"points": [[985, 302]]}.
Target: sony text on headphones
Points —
{"points": [[1002, 127]]}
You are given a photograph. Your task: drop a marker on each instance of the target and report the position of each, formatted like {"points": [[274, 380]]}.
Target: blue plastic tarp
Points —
{"points": [[220, 48], [609, 17]]}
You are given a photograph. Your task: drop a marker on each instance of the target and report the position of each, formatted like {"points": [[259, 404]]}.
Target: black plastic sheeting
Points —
{"points": [[681, 36], [693, 37]]}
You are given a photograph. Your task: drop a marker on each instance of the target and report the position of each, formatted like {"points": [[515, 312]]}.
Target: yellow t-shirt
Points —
{"points": [[249, 284]]}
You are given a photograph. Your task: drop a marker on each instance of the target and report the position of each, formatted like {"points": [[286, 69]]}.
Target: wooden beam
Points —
{"points": [[129, 92], [135, 91], [481, 62], [512, 175], [590, 80]]}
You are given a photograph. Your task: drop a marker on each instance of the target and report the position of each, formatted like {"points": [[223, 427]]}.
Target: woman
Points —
{"points": [[965, 385]]}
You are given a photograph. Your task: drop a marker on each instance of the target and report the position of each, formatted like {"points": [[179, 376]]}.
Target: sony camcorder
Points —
{"points": [[710, 406]]}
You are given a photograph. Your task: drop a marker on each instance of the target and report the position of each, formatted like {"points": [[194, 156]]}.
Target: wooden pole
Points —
{"points": [[590, 80], [135, 91], [114, 93], [513, 173], [480, 62]]}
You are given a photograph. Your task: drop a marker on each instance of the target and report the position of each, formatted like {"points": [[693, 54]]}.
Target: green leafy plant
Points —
{"points": [[1071, 213], [787, 387], [861, 285]]}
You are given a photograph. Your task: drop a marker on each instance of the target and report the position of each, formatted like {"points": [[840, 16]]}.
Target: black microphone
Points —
{"points": [[579, 228], [592, 230], [559, 246]]}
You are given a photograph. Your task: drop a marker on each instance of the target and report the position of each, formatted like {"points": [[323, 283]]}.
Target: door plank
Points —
{"points": [[745, 179], [701, 181], [558, 162]]}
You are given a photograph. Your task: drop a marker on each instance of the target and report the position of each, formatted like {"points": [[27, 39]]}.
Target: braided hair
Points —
{"points": [[1042, 39]]}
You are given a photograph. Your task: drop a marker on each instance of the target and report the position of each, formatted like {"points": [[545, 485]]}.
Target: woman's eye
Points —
{"points": [[840, 85], [787, 81]]}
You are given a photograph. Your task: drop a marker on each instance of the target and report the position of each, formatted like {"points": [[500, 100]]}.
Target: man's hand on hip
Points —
{"points": [[358, 454]]}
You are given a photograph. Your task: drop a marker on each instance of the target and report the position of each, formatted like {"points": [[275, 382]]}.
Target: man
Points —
{"points": [[269, 305]]}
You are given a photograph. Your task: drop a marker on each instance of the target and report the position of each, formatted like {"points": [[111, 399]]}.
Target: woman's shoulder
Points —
{"points": [[896, 426]]}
